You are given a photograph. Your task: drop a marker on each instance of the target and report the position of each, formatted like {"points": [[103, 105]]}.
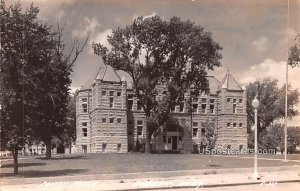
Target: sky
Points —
{"points": [[253, 33]]}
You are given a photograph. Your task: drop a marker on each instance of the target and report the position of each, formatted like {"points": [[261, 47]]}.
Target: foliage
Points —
{"points": [[35, 79], [153, 51], [272, 102], [273, 138], [294, 53], [209, 134]]}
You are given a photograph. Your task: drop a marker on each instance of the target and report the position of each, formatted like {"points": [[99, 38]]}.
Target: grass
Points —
{"points": [[62, 165]]}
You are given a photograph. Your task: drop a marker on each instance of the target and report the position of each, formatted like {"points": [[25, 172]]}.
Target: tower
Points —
{"points": [[232, 116]]}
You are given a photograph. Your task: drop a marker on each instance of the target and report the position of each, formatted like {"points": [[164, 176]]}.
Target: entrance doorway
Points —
{"points": [[84, 149], [170, 140], [174, 142]]}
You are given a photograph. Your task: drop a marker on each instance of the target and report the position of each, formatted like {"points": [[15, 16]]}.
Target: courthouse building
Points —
{"points": [[110, 119]]}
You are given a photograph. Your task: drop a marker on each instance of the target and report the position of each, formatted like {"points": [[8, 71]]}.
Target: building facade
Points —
{"points": [[109, 117]]}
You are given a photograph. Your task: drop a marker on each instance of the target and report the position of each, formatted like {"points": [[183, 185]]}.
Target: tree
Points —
{"points": [[273, 138], [153, 51], [21, 37], [35, 79], [208, 134], [294, 53], [272, 103]]}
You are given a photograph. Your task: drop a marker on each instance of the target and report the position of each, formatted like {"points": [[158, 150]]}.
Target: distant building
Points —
{"points": [[110, 119]]}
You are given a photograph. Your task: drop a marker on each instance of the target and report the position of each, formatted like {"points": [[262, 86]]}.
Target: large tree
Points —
{"points": [[272, 103], [35, 79], [175, 53], [21, 56]]}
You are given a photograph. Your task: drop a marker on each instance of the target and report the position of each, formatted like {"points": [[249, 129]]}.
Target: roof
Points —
{"points": [[107, 73], [125, 76], [230, 83], [213, 84]]}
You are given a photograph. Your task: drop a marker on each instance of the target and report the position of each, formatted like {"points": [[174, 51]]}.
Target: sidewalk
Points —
{"points": [[162, 180]]}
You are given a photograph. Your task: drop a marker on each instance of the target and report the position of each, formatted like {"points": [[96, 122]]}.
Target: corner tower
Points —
{"points": [[232, 119]]}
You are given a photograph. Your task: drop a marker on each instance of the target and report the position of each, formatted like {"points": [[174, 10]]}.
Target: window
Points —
{"points": [[139, 127], [241, 124], [111, 120], [234, 108], [234, 124], [195, 131], [240, 147], [130, 103], [139, 107], [234, 100], [195, 124], [240, 100], [228, 100], [103, 93], [84, 132], [84, 108], [203, 108], [119, 147], [84, 124], [181, 106], [111, 93], [195, 107], [111, 102], [212, 101], [103, 120], [173, 108], [84, 99], [130, 96], [103, 147], [119, 120], [203, 100], [169, 139], [211, 108], [118, 93], [228, 124]]}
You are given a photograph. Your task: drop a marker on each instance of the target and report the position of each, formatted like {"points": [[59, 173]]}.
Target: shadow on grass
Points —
{"points": [[39, 174], [64, 158], [22, 165]]}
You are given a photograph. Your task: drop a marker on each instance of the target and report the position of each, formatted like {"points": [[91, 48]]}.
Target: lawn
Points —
{"points": [[88, 164]]}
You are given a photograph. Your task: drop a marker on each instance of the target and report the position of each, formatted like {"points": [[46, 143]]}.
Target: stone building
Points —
{"points": [[110, 119]]}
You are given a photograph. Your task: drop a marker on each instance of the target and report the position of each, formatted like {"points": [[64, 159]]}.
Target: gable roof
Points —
{"points": [[230, 83]]}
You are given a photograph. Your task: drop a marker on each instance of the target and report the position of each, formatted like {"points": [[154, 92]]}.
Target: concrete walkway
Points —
{"points": [[161, 180]]}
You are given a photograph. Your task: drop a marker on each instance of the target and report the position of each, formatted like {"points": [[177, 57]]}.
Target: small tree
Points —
{"points": [[208, 134], [153, 51]]}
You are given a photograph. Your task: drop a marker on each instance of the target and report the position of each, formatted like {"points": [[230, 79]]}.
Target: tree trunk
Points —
{"points": [[48, 150], [15, 155], [70, 149], [148, 140]]}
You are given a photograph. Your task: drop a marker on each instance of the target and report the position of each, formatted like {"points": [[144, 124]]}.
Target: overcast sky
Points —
{"points": [[253, 33]]}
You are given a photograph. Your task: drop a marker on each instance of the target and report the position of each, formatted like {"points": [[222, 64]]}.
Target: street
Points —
{"points": [[294, 186]]}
